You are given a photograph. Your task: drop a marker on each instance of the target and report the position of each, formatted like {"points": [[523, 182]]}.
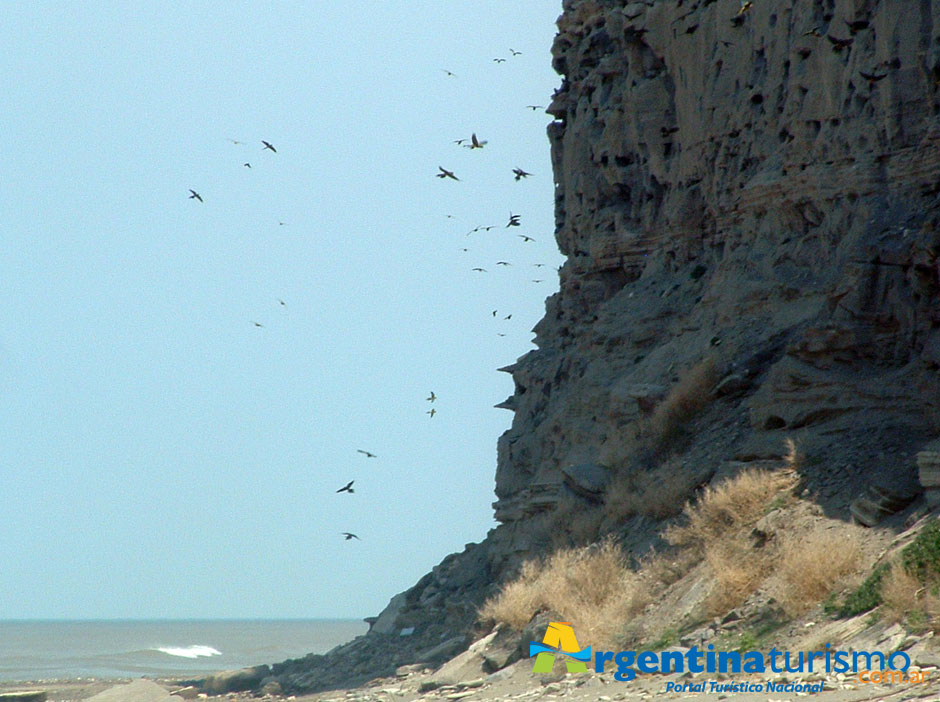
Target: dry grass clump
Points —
{"points": [[574, 524], [686, 399], [657, 493], [592, 587], [793, 459], [900, 593], [812, 564], [738, 569], [729, 506]]}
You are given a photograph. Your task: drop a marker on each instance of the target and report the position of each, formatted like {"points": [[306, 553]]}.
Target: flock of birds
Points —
{"points": [[515, 220], [348, 487]]}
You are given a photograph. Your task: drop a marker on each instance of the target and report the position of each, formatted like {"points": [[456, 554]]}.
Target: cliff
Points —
{"points": [[749, 203]]}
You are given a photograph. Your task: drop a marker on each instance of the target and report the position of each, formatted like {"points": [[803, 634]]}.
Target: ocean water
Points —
{"points": [[47, 650]]}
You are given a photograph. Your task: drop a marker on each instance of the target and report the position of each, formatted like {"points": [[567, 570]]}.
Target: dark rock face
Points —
{"points": [[757, 191]]}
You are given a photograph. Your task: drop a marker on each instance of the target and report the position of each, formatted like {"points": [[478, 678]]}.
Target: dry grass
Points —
{"points": [[812, 564], [900, 592], [574, 523], [657, 493], [793, 459], [729, 506], [738, 569], [592, 587], [686, 399]]}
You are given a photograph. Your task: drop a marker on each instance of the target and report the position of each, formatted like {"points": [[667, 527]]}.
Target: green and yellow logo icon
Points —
{"points": [[559, 640]]}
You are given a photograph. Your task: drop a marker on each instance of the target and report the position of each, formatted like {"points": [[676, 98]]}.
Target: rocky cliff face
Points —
{"points": [[755, 192]]}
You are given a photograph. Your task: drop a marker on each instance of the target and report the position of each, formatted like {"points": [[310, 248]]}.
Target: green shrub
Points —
{"points": [[921, 557], [865, 597]]}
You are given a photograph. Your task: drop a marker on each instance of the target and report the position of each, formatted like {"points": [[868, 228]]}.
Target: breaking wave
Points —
{"points": [[190, 651]]}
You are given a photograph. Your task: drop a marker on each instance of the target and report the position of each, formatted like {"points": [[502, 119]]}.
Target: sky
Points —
{"points": [[161, 456]]}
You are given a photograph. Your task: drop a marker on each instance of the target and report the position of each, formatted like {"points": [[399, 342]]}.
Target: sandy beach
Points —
{"points": [[517, 682]]}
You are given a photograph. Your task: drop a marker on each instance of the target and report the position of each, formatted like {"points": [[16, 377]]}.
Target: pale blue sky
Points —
{"points": [[159, 455]]}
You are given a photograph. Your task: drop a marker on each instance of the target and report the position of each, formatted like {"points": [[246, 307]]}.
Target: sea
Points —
{"points": [[70, 650]]}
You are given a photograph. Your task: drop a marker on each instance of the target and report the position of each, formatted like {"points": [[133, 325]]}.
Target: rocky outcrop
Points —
{"points": [[757, 191]]}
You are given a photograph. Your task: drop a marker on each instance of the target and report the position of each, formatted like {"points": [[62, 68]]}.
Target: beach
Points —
{"points": [[517, 682]]}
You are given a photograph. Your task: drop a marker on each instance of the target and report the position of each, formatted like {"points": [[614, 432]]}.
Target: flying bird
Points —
{"points": [[246, 164], [514, 52], [450, 74], [538, 265], [366, 454], [839, 44], [347, 487], [814, 32], [236, 141], [350, 535], [855, 26], [258, 324], [514, 220], [267, 145], [503, 263], [494, 312], [508, 316], [538, 281], [535, 107], [499, 60], [526, 238], [444, 173], [520, 174], [481, 270], [431, 412], [195, 195], [475, 143], [873, 78], [282, 303], [431, 397]]}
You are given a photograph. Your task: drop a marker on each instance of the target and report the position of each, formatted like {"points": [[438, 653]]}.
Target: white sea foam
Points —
{"points": [[195, 651]]}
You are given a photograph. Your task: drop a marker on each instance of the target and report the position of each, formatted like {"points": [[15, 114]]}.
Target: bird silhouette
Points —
{"points": [[538, 281], [268, 146], [431, 397], [514, 52], [508, 316], [236, 141], [366, 454], [431, 412], [538, 265], [499, 60], [195, 195], [535, 107], [520, 173], [855, 26], [281, 302], [246, 164], [839, 44], [514, 220], [481, 270], [526, 238], [475, 143], [347, 487], [873, 78], [503, 263], [350, 535], [494, 312], [450, 74], [444, 173], [258, 324]]}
